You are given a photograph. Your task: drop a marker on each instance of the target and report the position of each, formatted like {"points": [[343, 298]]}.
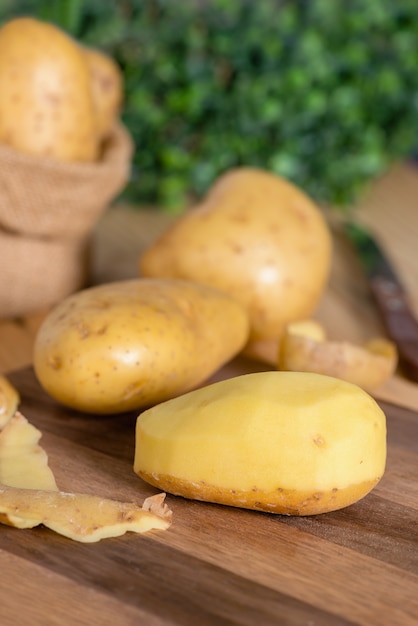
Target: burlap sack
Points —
{"points": [[36, 272], [47, 212]]}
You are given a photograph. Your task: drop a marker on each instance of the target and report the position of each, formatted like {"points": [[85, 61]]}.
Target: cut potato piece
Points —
{"points": [[304, 349], [81, 517], [284, 442], [23, 463], [9, 401]]}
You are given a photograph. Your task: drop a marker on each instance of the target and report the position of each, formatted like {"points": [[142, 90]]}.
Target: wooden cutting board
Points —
{"points": [[215, 566]]}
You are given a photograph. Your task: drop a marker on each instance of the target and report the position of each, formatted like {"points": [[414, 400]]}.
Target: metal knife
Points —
{"points": [[390, 297]]}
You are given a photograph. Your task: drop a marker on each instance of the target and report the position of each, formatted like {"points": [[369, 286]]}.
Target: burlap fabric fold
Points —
{"points": [[48, 210]]}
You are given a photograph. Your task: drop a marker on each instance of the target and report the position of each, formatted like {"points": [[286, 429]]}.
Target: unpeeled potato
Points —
{"points": [[283, 442], [256, 237], [46, 102], [107, 89], [133, 343]]}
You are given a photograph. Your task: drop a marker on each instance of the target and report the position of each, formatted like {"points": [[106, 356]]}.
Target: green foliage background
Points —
{"points": [[324, 92]]}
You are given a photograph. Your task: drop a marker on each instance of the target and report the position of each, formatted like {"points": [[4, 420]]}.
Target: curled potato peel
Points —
{"points": [[81, 517], [29, 495], [305, 348]]}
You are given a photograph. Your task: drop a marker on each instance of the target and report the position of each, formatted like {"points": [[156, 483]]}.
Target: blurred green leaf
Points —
{"points": [[322, 92]]}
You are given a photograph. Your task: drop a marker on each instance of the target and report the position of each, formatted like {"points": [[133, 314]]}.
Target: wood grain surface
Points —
{"points": [[216, 565]]}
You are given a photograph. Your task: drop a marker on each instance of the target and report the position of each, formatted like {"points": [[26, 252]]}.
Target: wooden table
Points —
{"points": [[218, 565]]}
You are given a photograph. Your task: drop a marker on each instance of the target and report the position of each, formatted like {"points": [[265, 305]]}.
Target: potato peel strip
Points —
{"points": [[82, 517], [29, 495], [368, 365]]}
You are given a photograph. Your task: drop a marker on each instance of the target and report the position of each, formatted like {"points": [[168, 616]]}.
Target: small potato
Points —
{"points": [[107, 87], [256, 237], [46, 102], [283, 442], [134, 343]]}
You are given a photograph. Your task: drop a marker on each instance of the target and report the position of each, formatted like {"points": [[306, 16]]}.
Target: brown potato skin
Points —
{"points": [[107, 89], [363, 366], [46, 103], [256, 237], [281, 501], [130, 344]]}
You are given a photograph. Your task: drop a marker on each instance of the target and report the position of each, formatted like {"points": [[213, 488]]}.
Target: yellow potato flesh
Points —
{"points": [[23, 462], [283, 442], [256, 237], [81, 517], [133, 343], [307, 328], [9, 401], [46, 102]]}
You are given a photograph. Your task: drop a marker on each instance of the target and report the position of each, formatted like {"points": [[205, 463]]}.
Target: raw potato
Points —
{"points": [[46, 102], [282, 442], [81, 517], [258, 238], [134, 343], [107, 87], [304, 349], [9, 401]]}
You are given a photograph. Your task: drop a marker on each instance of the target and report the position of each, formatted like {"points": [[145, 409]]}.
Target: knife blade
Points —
{"points": [[389, 295]]}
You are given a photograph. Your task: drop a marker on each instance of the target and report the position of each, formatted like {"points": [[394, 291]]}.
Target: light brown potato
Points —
{"points": [[283, 442], [304, 348], [107, 86], [134, 343], [46, 102], [256, 237]]}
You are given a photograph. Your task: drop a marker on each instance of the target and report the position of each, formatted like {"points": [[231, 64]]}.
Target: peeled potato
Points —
{"points": [[46, 103], [256, 237], [130, 344], [283, 442], [304, 348]]}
